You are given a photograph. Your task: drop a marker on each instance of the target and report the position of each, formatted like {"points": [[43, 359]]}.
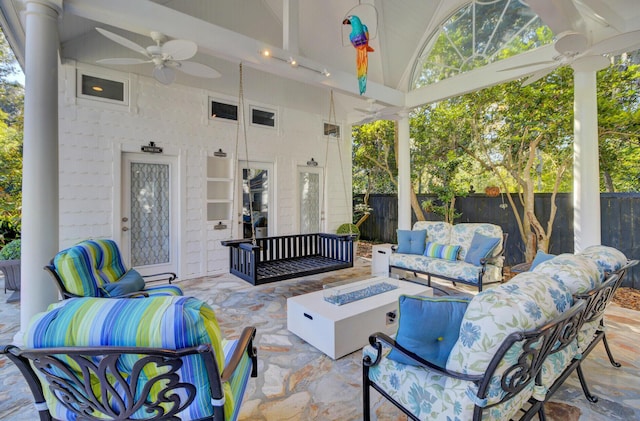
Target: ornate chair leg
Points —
{"points": [[609, 354], [585, 388]]}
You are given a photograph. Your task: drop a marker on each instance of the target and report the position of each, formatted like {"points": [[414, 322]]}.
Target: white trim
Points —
{"points": [[221, 99], [274, 110], [81, 71], [336, 124]]}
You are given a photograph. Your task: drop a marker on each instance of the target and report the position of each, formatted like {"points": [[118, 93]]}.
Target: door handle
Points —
{"points": [[125, 228]]}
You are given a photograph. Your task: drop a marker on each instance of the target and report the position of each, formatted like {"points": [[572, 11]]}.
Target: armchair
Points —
{"points": [[94, 268], [119, 359]]}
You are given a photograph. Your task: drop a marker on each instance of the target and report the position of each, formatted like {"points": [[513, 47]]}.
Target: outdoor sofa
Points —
{"points": [[469, 253], [501, 354]]}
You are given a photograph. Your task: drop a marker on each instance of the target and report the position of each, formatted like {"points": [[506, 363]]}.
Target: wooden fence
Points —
{"points": [[620, 216]]}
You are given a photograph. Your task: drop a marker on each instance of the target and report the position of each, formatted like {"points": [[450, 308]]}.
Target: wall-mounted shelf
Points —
{"points": [[219, 188]]}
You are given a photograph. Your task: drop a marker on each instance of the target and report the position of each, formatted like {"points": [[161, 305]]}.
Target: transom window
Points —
{"points": [[482, 32]]}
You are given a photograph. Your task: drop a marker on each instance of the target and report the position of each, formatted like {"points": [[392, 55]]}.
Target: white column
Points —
{"points": [[404, 174], [290, 25], [586, 167], [40, 158]]}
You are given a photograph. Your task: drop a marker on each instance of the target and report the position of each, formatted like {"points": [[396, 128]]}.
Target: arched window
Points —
{"points": [[482, 32]]}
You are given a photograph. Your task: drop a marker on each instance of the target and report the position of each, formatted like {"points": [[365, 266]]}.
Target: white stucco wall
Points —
{"points": [[93, 136]]}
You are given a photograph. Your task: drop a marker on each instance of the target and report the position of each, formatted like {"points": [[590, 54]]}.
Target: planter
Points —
{"points": [[11, 271], [492, 191]]}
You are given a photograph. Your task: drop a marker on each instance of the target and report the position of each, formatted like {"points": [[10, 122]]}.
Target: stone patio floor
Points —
{"points": [[298, 382]]}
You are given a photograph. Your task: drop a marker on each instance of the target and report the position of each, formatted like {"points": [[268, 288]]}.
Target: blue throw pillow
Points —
{"points": [[129, 282], [541, 256], [428, 327], [411, 242], [481, 247]]}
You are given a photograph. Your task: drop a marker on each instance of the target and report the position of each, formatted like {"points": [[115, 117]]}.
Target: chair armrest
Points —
{"points": [[377, 340], [170, 276], [248, 247], [245, 344], [394, 248]]}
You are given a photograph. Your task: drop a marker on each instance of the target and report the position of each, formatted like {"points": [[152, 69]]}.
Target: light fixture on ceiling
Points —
{"points": [[312, 163], [294, 63]]}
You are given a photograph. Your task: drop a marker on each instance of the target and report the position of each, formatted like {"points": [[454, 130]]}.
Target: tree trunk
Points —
{"points": [[415, 205], [608, 182]]}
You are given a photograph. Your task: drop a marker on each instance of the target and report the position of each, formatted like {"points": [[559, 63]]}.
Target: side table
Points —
{"points": [[380, 258]]}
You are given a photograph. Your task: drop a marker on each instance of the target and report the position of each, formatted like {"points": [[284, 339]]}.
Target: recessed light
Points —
{"points": [[97, 88]]}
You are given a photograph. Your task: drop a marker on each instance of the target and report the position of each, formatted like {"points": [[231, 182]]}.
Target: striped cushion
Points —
{"points": [[441, 251], [87, 266], [157, 322], [110, 266], [77, 269]]}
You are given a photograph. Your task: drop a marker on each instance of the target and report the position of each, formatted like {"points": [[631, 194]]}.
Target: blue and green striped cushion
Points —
{"points": [[110, 266], [442, 251], [157, 322], [77, 269]]}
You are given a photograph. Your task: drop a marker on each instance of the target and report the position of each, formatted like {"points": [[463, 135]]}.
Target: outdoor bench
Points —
{"points": [[469, 253], [273, 259]]}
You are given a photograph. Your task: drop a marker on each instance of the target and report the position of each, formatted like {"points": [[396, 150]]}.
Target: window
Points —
{"points": [[477, 34], [263, 117], [94, 87], [331, 130], [223, 110]]}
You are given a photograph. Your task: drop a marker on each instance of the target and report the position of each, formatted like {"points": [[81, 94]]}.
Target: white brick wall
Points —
{"points": [[93, 136]]}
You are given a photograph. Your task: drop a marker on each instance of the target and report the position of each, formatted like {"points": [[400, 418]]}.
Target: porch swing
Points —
{"points": [[270, 259]]}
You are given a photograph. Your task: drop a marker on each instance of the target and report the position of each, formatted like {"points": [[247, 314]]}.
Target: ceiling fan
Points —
{"points": [[565, 20], [372, 113], [167, 57]]}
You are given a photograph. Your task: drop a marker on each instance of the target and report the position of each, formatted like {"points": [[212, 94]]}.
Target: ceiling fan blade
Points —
{"points": [[536, 76], [590, 63], [123, 41], [196, 69], [122, 61], [165, 75], [180, 49], [559, 15], [617, 44]]}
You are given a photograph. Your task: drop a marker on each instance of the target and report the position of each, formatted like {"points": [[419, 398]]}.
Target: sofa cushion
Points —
{"points": [[411, 242], [462, 234], [481, 247], [526, 302], [607, 258], [432, 396], [458, 269], [428, 327], [130, 282], [437, 231], [156, 322], [441, 251], [541, 256], [578, 273]]}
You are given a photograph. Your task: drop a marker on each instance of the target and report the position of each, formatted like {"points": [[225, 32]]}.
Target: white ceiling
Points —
{"points": [[232, 31]]}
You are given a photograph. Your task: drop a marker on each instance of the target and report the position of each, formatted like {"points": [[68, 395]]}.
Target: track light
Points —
{"points": [[312, 163], [294, 63]]}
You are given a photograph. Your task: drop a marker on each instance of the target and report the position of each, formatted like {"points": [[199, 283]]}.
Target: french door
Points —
{"points": [[148, 216], [310, 200]]}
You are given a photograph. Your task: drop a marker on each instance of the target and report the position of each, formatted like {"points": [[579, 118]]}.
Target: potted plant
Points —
{"points": [[353, 229], [10, 268]]}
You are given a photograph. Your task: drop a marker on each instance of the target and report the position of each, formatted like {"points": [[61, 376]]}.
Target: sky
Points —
{"points": [[18, 76]]}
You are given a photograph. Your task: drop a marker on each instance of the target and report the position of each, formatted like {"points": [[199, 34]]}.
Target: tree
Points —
{"points": [[11, 124]]}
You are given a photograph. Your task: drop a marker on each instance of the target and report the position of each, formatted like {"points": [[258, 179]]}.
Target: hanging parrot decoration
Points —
{"points": [[359, 38]]}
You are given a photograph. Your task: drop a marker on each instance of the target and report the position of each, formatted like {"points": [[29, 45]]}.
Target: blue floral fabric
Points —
{"points": [[607, 258]]}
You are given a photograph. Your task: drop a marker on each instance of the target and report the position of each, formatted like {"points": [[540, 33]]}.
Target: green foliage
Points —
{"points": [[349, 229], [374, 159], [11, 122], [11, 251]]}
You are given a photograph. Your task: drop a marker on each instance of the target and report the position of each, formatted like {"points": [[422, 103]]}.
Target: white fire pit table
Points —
{"points": [[337, 329]]}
